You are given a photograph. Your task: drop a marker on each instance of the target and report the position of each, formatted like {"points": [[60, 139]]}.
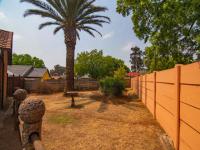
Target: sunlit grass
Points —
{"points": [[61, 119]]}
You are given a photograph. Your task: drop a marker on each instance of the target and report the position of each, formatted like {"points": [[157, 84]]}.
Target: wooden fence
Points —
{"points": [[173, 97], [14, 82], [58, 85]]}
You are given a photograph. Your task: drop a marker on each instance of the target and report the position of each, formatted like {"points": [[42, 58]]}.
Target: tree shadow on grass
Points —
{"points": [[103, 107], [82, 105], [69, 100], [125, 99], [128, 101]]}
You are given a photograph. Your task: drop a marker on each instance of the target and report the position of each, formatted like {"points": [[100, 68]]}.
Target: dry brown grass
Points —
{"points": [[98, 123]]}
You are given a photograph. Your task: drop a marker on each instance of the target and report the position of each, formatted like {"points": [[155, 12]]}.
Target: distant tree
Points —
{"points": [[59, 70], [96, 65], [198, 56], [26, 59], [136, 59], [154, 60]]}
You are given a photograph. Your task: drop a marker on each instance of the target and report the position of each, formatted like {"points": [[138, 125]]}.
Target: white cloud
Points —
{"points": [[17, 37], [108, 35], [127, 47], [2, 15]]}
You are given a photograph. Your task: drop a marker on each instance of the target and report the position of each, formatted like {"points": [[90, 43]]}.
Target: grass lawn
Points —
{"points": [[98, 123]]}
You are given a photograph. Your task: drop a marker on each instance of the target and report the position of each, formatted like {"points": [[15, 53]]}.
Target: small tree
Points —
{"points": [[136, 59], [59, 70], [120, 73]]}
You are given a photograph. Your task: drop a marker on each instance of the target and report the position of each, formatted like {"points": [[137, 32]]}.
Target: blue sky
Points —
{"points": [[117, 38]]}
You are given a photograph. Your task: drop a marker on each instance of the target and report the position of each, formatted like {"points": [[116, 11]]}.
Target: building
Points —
{"points": [[6, 43], [133, 74], [28, 72]]}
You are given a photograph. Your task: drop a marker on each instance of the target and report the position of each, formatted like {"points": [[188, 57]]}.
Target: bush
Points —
{"points": [[44, 88], [112, 86]]}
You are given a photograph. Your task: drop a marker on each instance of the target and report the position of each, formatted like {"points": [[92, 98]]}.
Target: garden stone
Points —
{"points": [[30, 114], [19, 96]]}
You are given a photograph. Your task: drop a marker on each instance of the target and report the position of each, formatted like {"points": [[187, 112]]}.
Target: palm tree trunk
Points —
{"points": [[70, 41]]}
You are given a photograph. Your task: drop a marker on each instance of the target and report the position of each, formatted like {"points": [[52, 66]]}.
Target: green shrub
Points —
{"points": [[120, 73], [112, 86]]}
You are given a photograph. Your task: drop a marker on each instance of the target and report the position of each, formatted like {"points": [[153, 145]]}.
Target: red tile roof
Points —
{"points": [[6, 39], [133, 74]]}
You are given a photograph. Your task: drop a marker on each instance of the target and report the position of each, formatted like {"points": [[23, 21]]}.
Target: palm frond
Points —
{"points": [[47, 24], [83, 5], [59, 6], [94, 17], [77, 35], [68, 14], [41, 5], [90, 28], [92, 22], [91, 10], [57, 29], [42, 14], [88, 31]]}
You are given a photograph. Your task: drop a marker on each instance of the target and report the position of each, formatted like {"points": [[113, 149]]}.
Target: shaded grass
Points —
{"points": [[62, 119]]}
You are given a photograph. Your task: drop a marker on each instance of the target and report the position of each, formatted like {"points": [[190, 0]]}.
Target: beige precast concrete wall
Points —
{"points": [[173, 97]]}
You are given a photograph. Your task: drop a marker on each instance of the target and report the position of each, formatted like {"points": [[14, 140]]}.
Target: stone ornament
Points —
{"points": [[20, 95], [31, 111]]}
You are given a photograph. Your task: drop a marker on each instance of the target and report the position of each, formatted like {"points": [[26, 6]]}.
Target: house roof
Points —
{"points": [[26, 71], [133, 74], [37, 72], [9, 73], [20, 70], [6, 39]]}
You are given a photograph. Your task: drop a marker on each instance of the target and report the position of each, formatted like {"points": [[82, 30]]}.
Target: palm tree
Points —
{"points": [[72, 16]]}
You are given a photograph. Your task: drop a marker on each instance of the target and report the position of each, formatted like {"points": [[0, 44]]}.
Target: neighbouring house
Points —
{"points": [[6, 43], [57, 76], [28, 72]]}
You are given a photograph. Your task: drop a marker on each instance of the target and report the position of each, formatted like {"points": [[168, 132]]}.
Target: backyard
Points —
{"points": [[98, 122], [134, 87]]}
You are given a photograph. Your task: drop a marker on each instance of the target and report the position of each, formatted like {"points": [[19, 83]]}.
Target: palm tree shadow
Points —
{"points": [[69, 100], [103, 107], [82, 105]]}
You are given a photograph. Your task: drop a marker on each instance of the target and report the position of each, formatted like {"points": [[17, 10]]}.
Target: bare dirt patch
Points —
{"points": [[97, 123], [9, 137]]}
